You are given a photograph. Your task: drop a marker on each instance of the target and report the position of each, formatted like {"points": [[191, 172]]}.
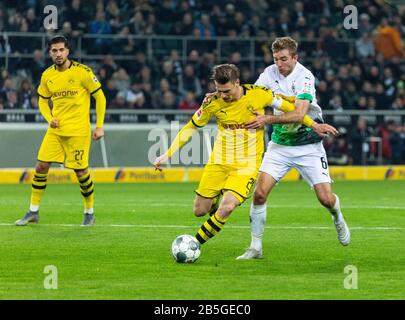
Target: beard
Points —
{"points": [[60, 62]]}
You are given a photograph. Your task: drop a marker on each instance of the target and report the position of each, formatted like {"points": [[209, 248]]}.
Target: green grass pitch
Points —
{"points": [[126, 255]]}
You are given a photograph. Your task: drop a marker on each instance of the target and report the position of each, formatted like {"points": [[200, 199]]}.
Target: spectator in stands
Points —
{"points": [[176, 61], [284, 27], [36, 66], [151, 26], [121, 78], [384, 132], [7, 89], [189, 102], [194, 59], [388, 41], [109, 65], [24, 94], [137, 23], [359, 143], [157, 95], [246, 75], [171, 76], [34, 24], [371, 103], [324, 94], [145, 75], [135, 65], [373, 76], [99, 26], [190, 83], [133, 97], [350, 95], [397, 141], [166, 15], [381, 99], [205, 27], [123, 43], [187, 24], [365, 46], [169, 101], [147, 91], [67, 31], [364, 25], [77, 17], [362, 103], [398, 104], [12, 101], [336, 103], [110, 92]]}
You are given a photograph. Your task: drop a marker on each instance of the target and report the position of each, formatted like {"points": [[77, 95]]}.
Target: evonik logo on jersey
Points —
{"points": [[65, 93]]}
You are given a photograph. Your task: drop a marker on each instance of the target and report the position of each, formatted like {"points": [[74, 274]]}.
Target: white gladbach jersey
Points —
{"points": [[300, 84]]}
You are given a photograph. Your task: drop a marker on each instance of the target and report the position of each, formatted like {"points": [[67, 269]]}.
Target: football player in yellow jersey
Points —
{"points": [[67, 87], [235, 160]]}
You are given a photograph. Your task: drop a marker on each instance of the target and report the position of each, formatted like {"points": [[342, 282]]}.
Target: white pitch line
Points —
{"points": [[189, 205], [157, 226]]}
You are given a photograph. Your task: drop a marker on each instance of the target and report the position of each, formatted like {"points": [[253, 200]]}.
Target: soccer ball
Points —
{"points": [[186, 249]]}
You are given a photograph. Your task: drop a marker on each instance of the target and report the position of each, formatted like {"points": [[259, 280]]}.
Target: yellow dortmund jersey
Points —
{"points": [[70, 92], [235, 145]]}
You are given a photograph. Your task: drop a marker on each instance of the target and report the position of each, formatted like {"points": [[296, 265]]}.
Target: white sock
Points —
{"points": [[89, 211], [34, 208], [335, 211], [257, 224]]}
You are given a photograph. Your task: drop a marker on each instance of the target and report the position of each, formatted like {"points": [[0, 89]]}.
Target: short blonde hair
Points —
{"points": [[285, 43]]}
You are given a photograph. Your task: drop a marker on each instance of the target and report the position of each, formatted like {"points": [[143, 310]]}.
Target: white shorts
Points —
{"points": [[310, 160]]}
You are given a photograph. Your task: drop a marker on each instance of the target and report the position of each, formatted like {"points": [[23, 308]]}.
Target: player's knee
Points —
{"points": [[42, 167], [80, 173], [259, 197], [199, 210], [225, 209]]}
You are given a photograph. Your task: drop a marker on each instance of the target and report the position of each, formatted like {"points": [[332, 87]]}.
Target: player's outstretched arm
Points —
{"points": [[181, 139], [298, 114], [324, 129], [293, 114]]}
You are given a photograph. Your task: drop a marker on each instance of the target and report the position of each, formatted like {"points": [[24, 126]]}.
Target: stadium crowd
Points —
{"points": [[361, 69]]}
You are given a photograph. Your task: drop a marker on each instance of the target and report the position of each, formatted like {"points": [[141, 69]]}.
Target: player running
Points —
{"points": [[291, 145], [234, 162]]}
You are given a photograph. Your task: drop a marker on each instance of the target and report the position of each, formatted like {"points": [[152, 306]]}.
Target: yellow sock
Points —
{"points": [[210, 228], [87, 190], [38, 188]]}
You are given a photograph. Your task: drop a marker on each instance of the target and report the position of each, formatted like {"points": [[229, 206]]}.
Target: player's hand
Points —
{"points": [[258, 122], [208, 97], [98, 133], [324, 129], [54, 123], [159, 161]]}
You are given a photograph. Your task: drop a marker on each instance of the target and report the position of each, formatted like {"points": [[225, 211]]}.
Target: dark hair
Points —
{"points": [[225, 73], [58, 39]]}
